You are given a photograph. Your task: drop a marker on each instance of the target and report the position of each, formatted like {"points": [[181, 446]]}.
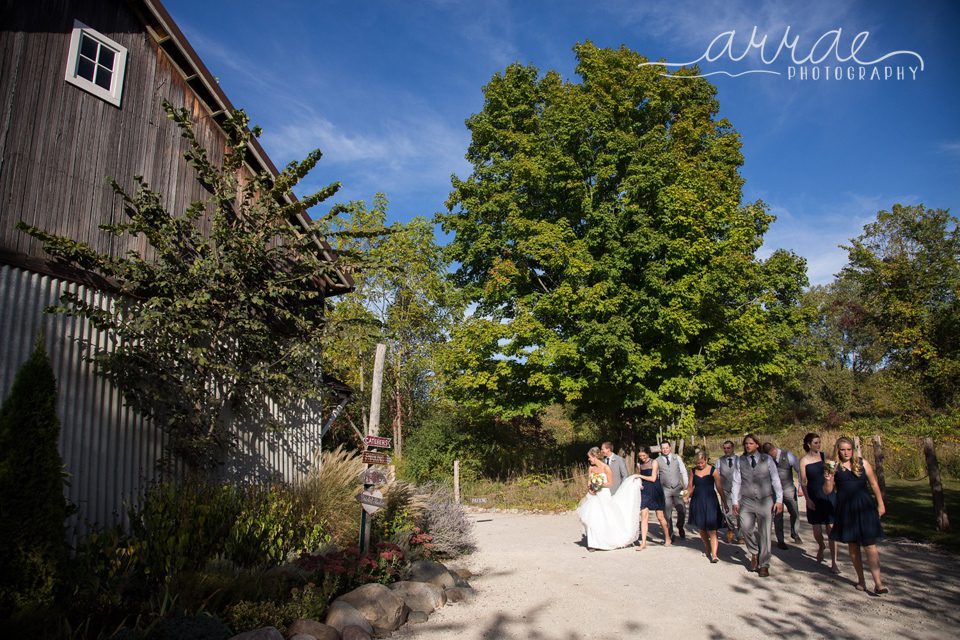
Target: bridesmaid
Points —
{"points": [[857, 519], [651, 497], [705, 512], [819, 503]]}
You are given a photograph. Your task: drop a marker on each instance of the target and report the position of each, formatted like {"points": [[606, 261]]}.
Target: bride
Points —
{"points": [[611, 521]]}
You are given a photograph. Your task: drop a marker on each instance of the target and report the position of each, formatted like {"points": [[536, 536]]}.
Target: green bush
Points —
{"points": [[32, 504], [273, 524], [180, 527]]}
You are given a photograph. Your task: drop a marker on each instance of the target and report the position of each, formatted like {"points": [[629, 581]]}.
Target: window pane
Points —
{"points": [[106, 57], [85, 69], [104, 76], [88, 46]]}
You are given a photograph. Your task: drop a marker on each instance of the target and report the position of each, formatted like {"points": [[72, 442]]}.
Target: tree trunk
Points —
{"points": [[936, 486], [878, 465], [397, 421]]}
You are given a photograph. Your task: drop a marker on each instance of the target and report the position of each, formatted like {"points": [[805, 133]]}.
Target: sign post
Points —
{"points": [[372, 439]]}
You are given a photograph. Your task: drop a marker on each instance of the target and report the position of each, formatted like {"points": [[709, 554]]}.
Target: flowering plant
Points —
{"points": [[597, 481]]}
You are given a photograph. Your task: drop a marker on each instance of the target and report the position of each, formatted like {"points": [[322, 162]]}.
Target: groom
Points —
{"points": [[617, 465]]}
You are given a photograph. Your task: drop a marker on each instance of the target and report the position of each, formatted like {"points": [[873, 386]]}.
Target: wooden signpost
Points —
{"points": [[373, 476], [376, 442], [371, 501], [375, 457]]}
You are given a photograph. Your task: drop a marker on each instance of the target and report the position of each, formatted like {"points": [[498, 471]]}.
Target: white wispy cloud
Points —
{"points": [[816, 231]]}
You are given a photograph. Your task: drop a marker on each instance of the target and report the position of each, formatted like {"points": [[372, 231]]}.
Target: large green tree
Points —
{"points": [[403, 299], [906, 267], [225, 312], [602, 238]]}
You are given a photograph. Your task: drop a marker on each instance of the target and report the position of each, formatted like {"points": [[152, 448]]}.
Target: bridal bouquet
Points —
{"points": [[596, 481]]}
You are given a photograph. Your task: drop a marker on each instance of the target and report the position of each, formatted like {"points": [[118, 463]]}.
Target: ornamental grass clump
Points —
{"points": [[330, 490]]}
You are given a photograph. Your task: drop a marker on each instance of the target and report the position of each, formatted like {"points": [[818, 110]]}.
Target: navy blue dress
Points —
{"points": [[823, 513], [857, 519], [705, 512], [651, 495]]}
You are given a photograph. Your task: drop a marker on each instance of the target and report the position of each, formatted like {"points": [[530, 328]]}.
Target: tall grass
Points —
{"points": [[330, 489], [559, 491]]}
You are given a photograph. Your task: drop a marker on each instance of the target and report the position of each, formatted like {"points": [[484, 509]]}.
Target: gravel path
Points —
{"points": [[535, 580]]}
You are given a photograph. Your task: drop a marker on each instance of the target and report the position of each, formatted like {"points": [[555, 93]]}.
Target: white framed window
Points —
{"points": [[96, 63]]}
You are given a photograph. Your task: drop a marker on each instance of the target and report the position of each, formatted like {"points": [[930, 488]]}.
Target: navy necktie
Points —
{"points": [[668, 461], [730, 462], [753, 462]]}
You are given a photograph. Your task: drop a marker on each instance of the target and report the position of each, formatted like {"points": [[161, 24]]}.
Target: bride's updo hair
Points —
{"points": [[594, 453]]}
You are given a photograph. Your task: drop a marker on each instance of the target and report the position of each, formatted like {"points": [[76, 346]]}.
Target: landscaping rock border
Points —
{"points": [[374, 610]]}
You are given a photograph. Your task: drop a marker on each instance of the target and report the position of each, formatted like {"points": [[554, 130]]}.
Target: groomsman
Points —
{"points": [[673, 478], [787, 464], [757, 495], [725, 465], [618, 465]]}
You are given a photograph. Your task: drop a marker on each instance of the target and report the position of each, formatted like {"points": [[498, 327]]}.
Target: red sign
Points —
{"points": [[377, 442], [374, 457]]}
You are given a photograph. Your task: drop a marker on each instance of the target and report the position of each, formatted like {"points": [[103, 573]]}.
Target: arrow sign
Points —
{"points": [[373, 457], [377, 442], [373, 476], [371, 501]]}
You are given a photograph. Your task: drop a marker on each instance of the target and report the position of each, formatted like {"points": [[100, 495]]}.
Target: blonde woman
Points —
{"points": [[857, 516], [705, 493]]}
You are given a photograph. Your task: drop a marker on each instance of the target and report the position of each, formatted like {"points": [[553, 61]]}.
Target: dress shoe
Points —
{"points": [[754, 561], [782, 546], [741, 541], [763, 572], [796, 539], [729, 537], [682, 534]]}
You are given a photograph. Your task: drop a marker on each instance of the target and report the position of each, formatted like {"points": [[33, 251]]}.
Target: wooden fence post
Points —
{"points": [[936, 487], [456, 481], [857, 447], [878, 465]]}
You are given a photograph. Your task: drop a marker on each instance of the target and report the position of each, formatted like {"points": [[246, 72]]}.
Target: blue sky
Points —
{"points": [[383, 88]]}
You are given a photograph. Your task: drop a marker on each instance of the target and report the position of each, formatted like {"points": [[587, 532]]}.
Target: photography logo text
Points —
{"points": [[830, 57]]}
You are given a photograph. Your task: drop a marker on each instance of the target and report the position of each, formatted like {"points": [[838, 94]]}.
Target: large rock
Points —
{"points": [[420, 596], [355, 633], [343, 614], [460, 594], [313, 628], [307, 636], [383, 609], [266, 633], [417, 617], [432, 572]]}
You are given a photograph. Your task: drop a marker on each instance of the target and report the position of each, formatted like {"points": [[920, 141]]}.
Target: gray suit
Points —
{"points": [[725, 465], [673, 476], [756, 486], [618, 468], [785, 469]]}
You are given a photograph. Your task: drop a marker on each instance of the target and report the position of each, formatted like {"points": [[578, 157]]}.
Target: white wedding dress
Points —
{"points": [[612, 520]]}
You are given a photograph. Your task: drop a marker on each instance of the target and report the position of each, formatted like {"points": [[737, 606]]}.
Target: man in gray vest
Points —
{"points": [[673, 478], [725, 465], [757, 495], [786, 463], [618, 465]]}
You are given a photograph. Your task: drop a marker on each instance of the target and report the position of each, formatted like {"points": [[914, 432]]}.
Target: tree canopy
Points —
{"points": [[603, 241]]}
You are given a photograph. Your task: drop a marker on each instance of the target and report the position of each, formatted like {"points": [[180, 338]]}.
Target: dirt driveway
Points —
{"points": [[536, 581]]}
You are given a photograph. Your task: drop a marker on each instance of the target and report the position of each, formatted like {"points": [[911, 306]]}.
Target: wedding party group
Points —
{"points": [[744, 494]]}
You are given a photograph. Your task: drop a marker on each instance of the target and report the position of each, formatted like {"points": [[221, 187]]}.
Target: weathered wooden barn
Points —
{"points": [[81, 85]]}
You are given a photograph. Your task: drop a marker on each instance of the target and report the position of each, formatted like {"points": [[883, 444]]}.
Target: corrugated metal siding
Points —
{"points": [[109, 452]]}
